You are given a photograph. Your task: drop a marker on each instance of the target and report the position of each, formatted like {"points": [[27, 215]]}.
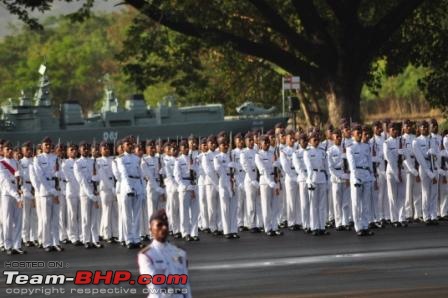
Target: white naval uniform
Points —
{"points": [[326, 145], [413, 197], [361, 177], [132, 187], [395, 187], [226, 189], [45, 174], [242, 220], [107, 192], [63, 220], [11, 213], [188, 201], [443, 172], [73, 202], [339, 189], [83, 170], [270, 203], [300, 168], [292, 200], [211, 190], [202, 194], [380, 197], [29, 219], [172, 194], [120, 197], [252, 188], [164, 258], [150, 171], [317, 172], [426, 152]]}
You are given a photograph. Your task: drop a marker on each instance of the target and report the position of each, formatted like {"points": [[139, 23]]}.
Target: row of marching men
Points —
{"points": [[354, 176]]}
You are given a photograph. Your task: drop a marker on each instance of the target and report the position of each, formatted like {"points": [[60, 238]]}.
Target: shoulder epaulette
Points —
{"points": [[145, 249]]}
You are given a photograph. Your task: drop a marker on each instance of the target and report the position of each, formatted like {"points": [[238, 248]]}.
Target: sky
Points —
{"points": [[59, 7]]}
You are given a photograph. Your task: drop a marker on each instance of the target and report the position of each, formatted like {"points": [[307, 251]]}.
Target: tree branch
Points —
{"points": [[215, 37]]}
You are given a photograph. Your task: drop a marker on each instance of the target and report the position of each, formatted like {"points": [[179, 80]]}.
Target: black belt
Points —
{"points": [[364, 168], [65, 180], [28, 182], [187, 178], [111, 178], [337, 169], [317, 170], [134, 177], [293, 168]]}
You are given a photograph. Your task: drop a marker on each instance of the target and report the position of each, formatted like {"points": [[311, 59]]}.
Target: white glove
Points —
{"points": [[414, 172], [191, 188], [255, 184], [298, 179], [93, 198], [431, 175], [160, 190], [272, 184], [431, 151], [276, 164], [345, 176], [401, 151], [17, 174], [231, 164], [441, 172]]}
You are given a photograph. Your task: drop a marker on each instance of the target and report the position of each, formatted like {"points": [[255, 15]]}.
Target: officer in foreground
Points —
{"points": [[161, 257]]}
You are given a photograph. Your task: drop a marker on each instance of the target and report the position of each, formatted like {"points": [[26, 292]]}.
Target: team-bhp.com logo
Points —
{"points": [[85, 277]]}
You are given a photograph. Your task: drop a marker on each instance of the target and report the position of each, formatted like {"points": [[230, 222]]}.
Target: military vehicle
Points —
{"points": [[250, 108], [33, 119]]}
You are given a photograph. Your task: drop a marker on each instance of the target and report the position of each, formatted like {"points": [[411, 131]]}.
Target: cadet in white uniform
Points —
{"points": [[426, 154], [302, 175], [361, 177], [131, 180], [45, 176], [184, 175], [444, 176], [172, 204], [11, 201], [269, 189], [293, 215], [251, 185], [242, 219], [29, 222], [161, 257], [202, 194]]}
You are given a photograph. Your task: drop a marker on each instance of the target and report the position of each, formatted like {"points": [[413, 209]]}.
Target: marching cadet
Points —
{"points": [[2, 246], [109, 209], [184, 174], [242, 220], [84, 174], [161, 257], [443, 172], [211, 187], [426, 153], [131, 186], [29, 222], [150, 170], [437, 139], [72, 192], [226, 189], [172, 193], [302, 175], [119, 193], [316, 166], [11, 201], [278, 142], [45, 176], [291, 187], [269, 189], [251, 184], [413, 190], [361, 176], [59, 151], [340, 183], [202, 194], [326, 143]]}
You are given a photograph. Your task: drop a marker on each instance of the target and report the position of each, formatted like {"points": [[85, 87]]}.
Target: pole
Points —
{"points": [[283, 97]]}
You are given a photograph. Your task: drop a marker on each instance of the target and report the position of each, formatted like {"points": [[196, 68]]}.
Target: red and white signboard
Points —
{"points": [[291, 83]]}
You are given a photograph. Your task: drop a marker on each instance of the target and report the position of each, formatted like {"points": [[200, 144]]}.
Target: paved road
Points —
{"points": [[404, 262]]}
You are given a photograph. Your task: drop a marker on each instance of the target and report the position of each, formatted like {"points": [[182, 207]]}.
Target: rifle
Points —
{"points": [[443, 162], [95, 184], [344, 160], [400, 157], [277, 173], [232, 170], [56, 168]]}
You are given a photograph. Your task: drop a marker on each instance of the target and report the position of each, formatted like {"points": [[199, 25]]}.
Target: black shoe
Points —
{"points": [[130, 246], [97, 245], [65, 241], [40, 245], [291, 228], [240, 229], [307, 231], [36, 243], [206, 230], [324, 232], [369, 233], [340, 228], [254, 230], [171, 233], [77, 243], [195, 238], [177, 235], [109, 240], [58, 248], [397, 224], [360, 233], [2, 249], [9, 252], [404, 224], [283, 224], [228, 236], [351, 224], [270, 233], [48, 249], [348, 228], [315, 233], [235, 236], [372, 225], [87, 245], [100, 238], [278, 233], [220, 233], [379, 225], [215, 233], [188, 238], [435, 222]]}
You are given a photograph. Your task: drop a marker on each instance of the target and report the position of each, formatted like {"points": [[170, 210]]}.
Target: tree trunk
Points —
{"points": [[343, 102]]}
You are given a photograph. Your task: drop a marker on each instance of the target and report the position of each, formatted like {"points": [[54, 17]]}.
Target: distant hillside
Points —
{"points": [[59, 8]]}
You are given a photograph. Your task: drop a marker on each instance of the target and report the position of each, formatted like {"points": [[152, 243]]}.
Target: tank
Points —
{"points": [[33, 119]]}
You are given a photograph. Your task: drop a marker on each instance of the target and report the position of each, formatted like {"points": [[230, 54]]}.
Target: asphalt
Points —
{"points": [[395, 262]]}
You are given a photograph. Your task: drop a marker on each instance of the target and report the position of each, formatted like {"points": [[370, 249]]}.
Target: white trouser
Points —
{"points": [[330, 201], [12, 222], [120, 200], [269, 207], [189, 213], [203, 212], [172, 208], [228, 205], [132, 208], [292, 202], [50, 221], [29, 220], [62, 217], [253, 205], [341, 204], [443, 197], [143, 224], [39, 218], [152, 202], [396, 198], [109, 214], [214, 216], [73, 218], [318, 206], [304, 204], [89, 222], [360, 199], [383, 198], [281, 212], [429, 197], [241, 213], [413, 200], [2, 239]]}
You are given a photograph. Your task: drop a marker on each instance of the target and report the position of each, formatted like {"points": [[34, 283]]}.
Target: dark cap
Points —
{"points": [[433, 122], [84, 144], [150, 143], [377, 123], [423, 123], [264, 138], [104, 144], [314, 135], [211, 138], [357, 127], [303, 136], [7, 144], [222, 141], [183, 143], [394, 125], [27, 144], [279, 125], [72, 145], [329, 126], [159, 215], [46, 140], [203, 141], [238, 136], [336, 131], [270, 132], [222, 133], [248, 135]]}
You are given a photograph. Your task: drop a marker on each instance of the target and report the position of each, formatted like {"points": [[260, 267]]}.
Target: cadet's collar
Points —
{"points": [[158, 244]]}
